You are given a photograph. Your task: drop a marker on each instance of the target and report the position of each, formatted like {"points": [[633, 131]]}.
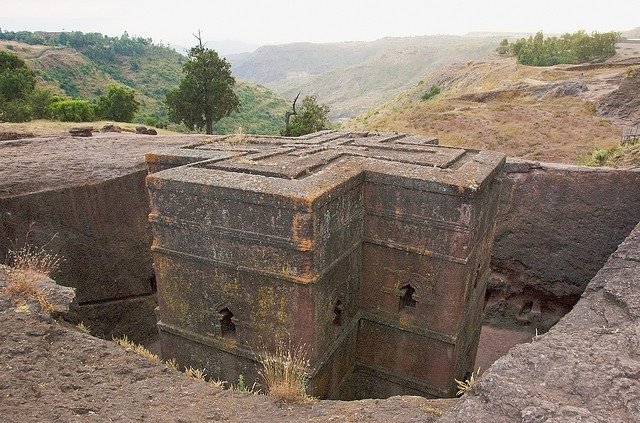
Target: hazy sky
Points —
{"points": [[280, 21]]}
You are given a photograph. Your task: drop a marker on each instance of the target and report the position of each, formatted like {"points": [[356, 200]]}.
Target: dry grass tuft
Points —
{"points": [[218, 383], [28, 265], [22, 285], [431, 410], [285, 373], [138, 349], [83, 328], [198, 374], [468, 384], [238, 138], [22, 307], [172, 364], [36, 262]]}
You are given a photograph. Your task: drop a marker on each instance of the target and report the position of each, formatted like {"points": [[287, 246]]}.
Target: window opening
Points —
{"points": [[227, 327]]}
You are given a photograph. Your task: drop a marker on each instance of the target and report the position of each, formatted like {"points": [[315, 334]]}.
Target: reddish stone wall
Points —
{"points": [[370, 249], [556, 227], [102, 233]]}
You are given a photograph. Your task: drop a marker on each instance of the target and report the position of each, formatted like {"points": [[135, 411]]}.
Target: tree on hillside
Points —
{"points": [[118, 104], [311, 117], [205, 94], [17, 82], [578, 47]]}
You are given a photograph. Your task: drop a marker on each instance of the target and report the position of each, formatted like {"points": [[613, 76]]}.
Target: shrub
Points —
{"points": [[16, 111], [604, 156], [118, 104], [40, 101], [433, 91], [578, 47], [152, 120], [72, 111]]}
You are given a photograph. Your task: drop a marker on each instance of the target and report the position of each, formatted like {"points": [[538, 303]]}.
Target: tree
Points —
{"points": [[503, 48], [118, 104], [578, 47], [312, 117], [205, 94], [17, 82]]}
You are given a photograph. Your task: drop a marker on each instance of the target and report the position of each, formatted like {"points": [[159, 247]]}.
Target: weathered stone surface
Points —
{"points": [[111, 128], [353, 244], [52, 372], [623, 104], [134, 317], [556, 226], [586, 368], [86, 203], [9, 135], [81, 131], [57, 296]]}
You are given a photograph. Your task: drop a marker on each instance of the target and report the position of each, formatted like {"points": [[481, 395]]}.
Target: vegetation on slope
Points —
{"points": [[352, 77], [539, 113], [578, 47], [83, 66], [261, 112]]}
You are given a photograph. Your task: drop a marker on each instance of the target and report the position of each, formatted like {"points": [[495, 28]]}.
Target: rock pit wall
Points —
{"points": [[101, 230], [585, 369], [556, 227]]}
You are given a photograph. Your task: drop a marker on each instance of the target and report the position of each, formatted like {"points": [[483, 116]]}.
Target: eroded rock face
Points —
{"points": [[87, 203], [81, 131], [586, 368], [556, 226], [623, 104]]}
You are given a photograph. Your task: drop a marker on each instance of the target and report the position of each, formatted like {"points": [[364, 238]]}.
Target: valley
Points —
{"points": [[560, 113]]}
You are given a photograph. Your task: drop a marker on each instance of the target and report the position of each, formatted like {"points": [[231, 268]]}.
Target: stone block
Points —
{"points": [[370, 249]]}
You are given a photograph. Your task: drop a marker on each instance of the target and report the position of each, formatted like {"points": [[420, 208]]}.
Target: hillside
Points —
{"points": [[560, 113], [261, 112], [151, 70], [634, 33], [352, 77]]}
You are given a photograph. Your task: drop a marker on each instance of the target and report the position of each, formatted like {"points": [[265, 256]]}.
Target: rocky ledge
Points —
{"points": [[585, 369]]}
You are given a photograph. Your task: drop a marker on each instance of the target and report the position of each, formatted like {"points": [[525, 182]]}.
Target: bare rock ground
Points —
{"points": [[585, 369], [51, 372], [54, 162]]}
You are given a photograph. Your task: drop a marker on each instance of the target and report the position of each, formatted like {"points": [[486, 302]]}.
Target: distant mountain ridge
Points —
{"points": [[224, 48], [633, 33], [352, 77]]}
